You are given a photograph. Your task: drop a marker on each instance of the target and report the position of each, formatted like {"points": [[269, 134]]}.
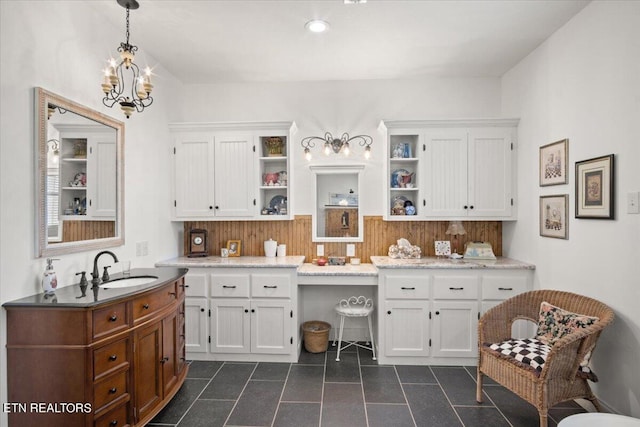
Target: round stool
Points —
{"points": [[355, 307]]}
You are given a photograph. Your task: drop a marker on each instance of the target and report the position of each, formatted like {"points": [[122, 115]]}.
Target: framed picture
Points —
{"points": [[554, 216], [594, 188], [554, 163], [234, 247]]}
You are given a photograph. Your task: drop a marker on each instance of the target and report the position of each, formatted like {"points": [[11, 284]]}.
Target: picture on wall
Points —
{"points": [[594, 188], [554, 163], [554, 216]]}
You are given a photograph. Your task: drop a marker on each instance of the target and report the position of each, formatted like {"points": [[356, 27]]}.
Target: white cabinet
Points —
{"points": [[225, 171], [250, 314], [451, 169], [430, 316]]}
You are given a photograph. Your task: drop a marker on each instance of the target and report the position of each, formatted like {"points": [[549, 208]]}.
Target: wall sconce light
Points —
{"points": [[337, 145], [455, 229], [53, 146], [114, 86], [51, 109]]}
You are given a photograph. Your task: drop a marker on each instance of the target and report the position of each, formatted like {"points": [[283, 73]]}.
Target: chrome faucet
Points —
{"points": [[95, 275]]}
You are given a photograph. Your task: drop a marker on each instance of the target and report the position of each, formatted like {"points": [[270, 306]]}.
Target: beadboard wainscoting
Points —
{"points": [[378, 236], [74, 231]]}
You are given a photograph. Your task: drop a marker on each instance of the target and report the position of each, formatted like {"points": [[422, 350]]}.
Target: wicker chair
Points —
{"points": [[558, 380]]}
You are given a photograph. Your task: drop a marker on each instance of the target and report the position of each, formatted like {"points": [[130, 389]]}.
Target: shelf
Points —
{"points": [[404, 189], [273, 187], [75, 188], [274, 159], [403, 159], [75, 160]]}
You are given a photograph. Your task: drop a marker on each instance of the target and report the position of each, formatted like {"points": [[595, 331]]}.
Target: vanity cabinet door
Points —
{"points": [[406, 328], [148, 373]]}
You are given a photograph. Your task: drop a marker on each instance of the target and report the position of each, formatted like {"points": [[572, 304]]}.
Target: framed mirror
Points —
{"points": [[79, 176], [337, 216]]}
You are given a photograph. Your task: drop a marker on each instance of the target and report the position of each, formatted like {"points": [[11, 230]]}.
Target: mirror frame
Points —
{"points": [[42, 99], [341, 169]]}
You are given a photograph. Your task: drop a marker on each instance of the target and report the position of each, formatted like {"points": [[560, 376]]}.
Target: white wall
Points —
{"points": [[61, 46], [583, 83]]}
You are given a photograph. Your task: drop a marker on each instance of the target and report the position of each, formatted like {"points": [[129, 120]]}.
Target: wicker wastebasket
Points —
{"points": [[316, 336]]}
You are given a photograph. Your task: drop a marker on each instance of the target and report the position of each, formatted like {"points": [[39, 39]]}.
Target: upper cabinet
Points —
{"points": [[450, 170], [228, 171]]}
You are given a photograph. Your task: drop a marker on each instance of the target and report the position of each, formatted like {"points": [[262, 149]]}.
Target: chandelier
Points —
{"points": [[337, 145], [134, 95]]}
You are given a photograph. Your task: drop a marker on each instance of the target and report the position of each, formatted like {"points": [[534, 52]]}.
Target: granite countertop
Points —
{"points": [[433, 262], [241, 261], [337, 270], [70, 296]]}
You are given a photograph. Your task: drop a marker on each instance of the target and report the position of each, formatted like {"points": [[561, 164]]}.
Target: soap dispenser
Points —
{"points": [[50, 280]]}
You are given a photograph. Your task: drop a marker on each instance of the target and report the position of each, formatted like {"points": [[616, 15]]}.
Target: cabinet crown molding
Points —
{"points": [[217, 126], [445, 123]]}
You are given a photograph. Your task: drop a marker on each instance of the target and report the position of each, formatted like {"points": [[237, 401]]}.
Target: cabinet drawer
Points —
{"points": [[153, 302], [407, 287], [110, 319], [503, 287], [230, 285], [455, 287], [110, 389], [110, 357], [196, 285], [270, 285], [115, 418]]}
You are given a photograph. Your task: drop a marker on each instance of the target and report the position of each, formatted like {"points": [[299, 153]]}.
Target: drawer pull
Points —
{"points": [[113, 318], [175, 294], [145, 306], [456, 289], [183, 286], [113, 390], [164, 360], [113, 357], [408, 289], [113, 423], [270, 286], [228, 286], [505, 289]]}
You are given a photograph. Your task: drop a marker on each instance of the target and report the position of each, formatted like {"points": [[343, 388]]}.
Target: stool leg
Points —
{"points": [[373, 344], [335, 332], [340, 338]]}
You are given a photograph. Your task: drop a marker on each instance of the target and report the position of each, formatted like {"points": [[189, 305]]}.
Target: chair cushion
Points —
{"points": [[555, 322], [531, 354]]}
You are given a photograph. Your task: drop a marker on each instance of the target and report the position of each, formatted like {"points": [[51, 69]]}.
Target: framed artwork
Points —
{"points": [[234, 247], [554, 216], [594, 188], [554, 163]]}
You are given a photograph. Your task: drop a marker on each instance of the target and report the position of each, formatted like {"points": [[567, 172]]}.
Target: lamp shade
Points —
{"points": [[455, 228]]}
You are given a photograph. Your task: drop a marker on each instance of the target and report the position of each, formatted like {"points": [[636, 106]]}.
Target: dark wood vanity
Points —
{"points": [[111, 358]]}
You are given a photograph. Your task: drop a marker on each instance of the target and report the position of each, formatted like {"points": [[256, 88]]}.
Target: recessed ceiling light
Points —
{"points": [[317, 26]]}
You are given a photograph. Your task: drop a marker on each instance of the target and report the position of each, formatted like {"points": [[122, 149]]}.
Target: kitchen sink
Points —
{"points": [[126, 282]]}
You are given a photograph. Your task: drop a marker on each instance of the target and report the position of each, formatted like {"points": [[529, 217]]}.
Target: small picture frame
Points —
{"points": [[554, 216], [554, 163], [234, 247], [594, 188], [442, 247]]}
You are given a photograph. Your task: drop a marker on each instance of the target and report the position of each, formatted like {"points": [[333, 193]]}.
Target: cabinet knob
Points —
{"points": [[146, 306], [202, 310], [253, 310], [113, 357], [113, 423], [113, 318], [113, 390], [217, 207], [389, 312], [465, 207], [164, 360], [437, 312], [211, 207], [471, 207], [246, 310]]}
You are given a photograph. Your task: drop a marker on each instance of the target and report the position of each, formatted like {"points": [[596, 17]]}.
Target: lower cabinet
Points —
{"points": [[122, 360], [430, 316], [243, 314]]}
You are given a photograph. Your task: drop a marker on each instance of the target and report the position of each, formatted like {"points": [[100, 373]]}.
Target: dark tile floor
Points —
{"points": [[318, 391]]}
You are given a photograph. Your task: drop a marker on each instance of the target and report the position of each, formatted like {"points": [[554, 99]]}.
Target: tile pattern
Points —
{"points": [[320, 392]]}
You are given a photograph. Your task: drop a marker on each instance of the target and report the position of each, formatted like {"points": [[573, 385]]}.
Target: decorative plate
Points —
{"points": [[277, 202], [443, 247], [395, 180]]}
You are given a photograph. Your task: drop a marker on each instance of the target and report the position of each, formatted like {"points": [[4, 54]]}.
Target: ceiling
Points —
{"points": [[215, 41]]}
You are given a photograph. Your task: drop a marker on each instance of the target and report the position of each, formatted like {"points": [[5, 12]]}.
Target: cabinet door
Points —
{"points": [[193, 160], [271, 326], [446, 173], [406, 328], [148, 374], [490, 172], [455, 328], [196, 325], [234, 176], [101, 176], [169, 361], [230, 326]]}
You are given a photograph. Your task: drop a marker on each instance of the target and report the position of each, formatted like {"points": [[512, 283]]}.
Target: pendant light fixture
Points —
{"points": [[123, 84]]}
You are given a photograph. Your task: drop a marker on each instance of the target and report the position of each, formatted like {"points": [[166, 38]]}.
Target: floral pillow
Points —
{"points": [[555, 322]]}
